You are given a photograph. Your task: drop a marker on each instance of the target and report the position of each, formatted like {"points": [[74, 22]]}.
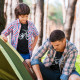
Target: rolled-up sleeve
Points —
{"points": [[69, 65], [34, 61], [64, 77], [7, 30], [39, 53], [35, 31]]}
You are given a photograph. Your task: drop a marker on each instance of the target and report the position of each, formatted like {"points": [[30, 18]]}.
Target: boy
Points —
{"points": [[22, 32], [59, 63]]}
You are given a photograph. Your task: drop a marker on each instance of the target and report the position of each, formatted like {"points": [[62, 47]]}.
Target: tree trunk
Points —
{"points": [[64, 11], [33, 10], [72, 38], [69, 18], [20, 0], [39, 19], [9, 7], [2, 19], [45, 21], [77, 27]]}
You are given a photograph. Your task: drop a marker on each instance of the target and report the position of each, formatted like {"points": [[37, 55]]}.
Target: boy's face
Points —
{"points": [[59, 45], [23, 18]]}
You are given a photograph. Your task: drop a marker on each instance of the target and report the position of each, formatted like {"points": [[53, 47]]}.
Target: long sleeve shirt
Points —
{"points": [[67, 61], [15, 27]]}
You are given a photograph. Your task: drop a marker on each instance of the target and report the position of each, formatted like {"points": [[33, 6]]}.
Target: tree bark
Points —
{"points": [[64, 11], [77, 27], [72, 38], [45, 21], [20, 0], [9, 7], [2, 19], [39, 19], [69, 18], [33, 10]]}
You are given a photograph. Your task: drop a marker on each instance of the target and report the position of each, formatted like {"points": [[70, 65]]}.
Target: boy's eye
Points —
{"points": [[57, 45], [22, 16], [26, 16]]}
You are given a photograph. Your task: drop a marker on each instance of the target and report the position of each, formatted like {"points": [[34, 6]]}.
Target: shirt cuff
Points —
{"points": [[36, 34], [64, 77], [34, 61]]}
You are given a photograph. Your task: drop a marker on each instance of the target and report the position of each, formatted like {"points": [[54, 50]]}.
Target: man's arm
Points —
{"points": [[36, 56], [69, 65], [37, 71]]}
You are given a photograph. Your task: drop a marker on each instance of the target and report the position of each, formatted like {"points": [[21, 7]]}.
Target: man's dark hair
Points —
{"points": [[57, 35], [22, 9]]}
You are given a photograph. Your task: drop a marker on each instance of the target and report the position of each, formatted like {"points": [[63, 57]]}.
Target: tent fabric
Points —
{"points": [[11, 64]]}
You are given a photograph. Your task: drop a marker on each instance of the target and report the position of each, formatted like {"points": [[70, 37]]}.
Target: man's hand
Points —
{"points": [[37, 72], [40, 79]]}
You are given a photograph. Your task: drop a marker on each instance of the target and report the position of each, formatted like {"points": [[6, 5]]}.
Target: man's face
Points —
{"points": [[59, 45], [23, 18]]}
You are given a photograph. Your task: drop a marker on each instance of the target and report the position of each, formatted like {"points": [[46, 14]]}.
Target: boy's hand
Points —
{"points": [[5, 39], [32, 47]]}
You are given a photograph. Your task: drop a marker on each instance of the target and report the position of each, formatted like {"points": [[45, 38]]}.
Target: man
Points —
{"points": [[59, 63]]}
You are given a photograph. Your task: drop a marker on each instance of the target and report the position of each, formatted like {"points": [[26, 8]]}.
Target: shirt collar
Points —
{"points": [[19, 21], [66, 48]]}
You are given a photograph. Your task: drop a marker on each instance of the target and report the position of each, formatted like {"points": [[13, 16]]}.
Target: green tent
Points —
{"points": [[11, 66]]}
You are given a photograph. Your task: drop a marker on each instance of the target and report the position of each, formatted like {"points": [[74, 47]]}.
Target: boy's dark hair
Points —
{"points": [[57, 35], [22, 9]]}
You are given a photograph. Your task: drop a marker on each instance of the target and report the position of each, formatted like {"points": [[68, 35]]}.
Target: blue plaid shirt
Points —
{"points": [[66, 63]]}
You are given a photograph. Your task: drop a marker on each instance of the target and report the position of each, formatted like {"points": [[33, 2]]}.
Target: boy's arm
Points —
{"points": [[4, 38], [35, 35], [7, 30], [34, 43], [36, 56], [35, 32]]}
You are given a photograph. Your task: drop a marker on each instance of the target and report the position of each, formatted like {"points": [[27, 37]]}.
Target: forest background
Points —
{"points": [[48, 15]]}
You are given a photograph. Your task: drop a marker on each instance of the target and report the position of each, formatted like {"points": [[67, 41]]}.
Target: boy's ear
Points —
{"points": [[64, 40]]}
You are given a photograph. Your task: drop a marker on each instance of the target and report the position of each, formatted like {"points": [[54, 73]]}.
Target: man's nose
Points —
{"points": [[55, 47]]}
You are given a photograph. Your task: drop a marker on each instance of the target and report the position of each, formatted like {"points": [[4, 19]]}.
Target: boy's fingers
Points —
{"points": [[5, 39]]}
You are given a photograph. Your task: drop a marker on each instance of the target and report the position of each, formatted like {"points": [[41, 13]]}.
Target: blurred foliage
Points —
{"points": [[55, 13], [78, 64], [28, 2]]}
